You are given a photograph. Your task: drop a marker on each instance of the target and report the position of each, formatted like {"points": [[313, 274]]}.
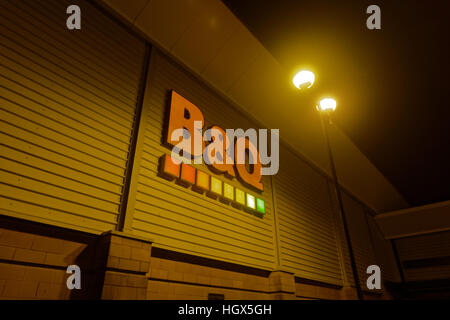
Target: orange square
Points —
{"points": [[202, 180], [170, 166], [187, 173]]}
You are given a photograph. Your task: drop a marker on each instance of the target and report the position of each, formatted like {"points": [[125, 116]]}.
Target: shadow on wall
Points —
{"points": [[35, 258]]}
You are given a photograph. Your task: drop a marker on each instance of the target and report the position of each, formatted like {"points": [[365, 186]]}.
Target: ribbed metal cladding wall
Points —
{"points": [[360, 237], [429, 246], [383, 252], [344, 252], [176, 217], [307, 229], [67, 106]]}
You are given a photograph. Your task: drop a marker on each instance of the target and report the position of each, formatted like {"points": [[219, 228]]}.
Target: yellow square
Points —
{"points": [[202, 180], [228, 191], [251, 201], [216, 186], [240, 196]]}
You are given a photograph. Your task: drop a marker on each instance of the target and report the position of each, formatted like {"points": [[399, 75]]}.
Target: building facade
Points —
{"points": [[86, 180]]}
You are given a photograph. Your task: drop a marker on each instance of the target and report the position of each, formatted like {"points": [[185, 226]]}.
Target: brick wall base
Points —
{"points": [[34, 258]]}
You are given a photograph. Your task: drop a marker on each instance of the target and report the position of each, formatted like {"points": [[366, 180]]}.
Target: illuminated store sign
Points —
{"points": [[232, 154]]}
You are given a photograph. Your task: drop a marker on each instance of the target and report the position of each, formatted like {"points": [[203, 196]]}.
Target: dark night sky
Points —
{"points": [[392, 85]]}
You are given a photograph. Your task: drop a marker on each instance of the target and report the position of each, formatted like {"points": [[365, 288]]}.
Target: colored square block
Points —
{"points": [[240, 196], [170, 166], [260, 205], [228, 191], [216, 186], [251, 201], [187, 173], [202, 180]]}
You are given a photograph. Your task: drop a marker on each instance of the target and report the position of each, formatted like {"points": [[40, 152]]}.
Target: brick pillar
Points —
{"points": [[282, 285], [127, 260]]}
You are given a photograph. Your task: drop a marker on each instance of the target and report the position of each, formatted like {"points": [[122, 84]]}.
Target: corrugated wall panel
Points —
{"points": [[67, 105], [344, 253], [383, 252], [306, 221], [178, 218], [360, 237], [422, 248]]}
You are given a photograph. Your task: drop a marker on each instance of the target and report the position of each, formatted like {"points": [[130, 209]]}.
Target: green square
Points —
{"points": [[260, 205]]}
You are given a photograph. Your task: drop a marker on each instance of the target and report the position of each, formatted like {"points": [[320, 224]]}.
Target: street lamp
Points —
{"points": [[304, 79], [327, 106]]}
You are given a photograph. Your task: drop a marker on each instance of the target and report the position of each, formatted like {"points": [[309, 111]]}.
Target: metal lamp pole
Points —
{"points": [[325, 123]]}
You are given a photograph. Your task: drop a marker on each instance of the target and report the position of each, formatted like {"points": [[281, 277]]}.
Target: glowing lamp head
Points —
{"points": [[327, 105], [304, 79]]}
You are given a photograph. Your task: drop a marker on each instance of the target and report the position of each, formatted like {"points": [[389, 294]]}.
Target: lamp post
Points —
{"points": [[326, 107], [304, 79]]}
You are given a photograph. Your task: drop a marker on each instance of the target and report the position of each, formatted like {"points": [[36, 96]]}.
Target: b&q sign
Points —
{"points": [[232, 152]]}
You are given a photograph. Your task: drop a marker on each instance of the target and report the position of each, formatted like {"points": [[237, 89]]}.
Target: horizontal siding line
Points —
{"points": [[53, 220], [311, 200], [268, 239], [84, 206], [313, 248], [26, 158], [313, 268], [65, 124], [239, 243], [307, 202], [92, 195], [110, 55], [264, 227], [298, 237], [305, 187], [156, 121], [58, 63], [297, 224], [154, 129], [65, 156], [99, 23], [149, 140], [57, 9], [304, 213], [113, 196], [305, 223], [310, 251], [73, 113], [47, 37], [326, 261], [121, 113], [266, 266], [106, 98], [313, 276], [103, 116], [316, 180], [203, 244], [54, 45], [65, 144], [303, 216], [64, 211]]}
